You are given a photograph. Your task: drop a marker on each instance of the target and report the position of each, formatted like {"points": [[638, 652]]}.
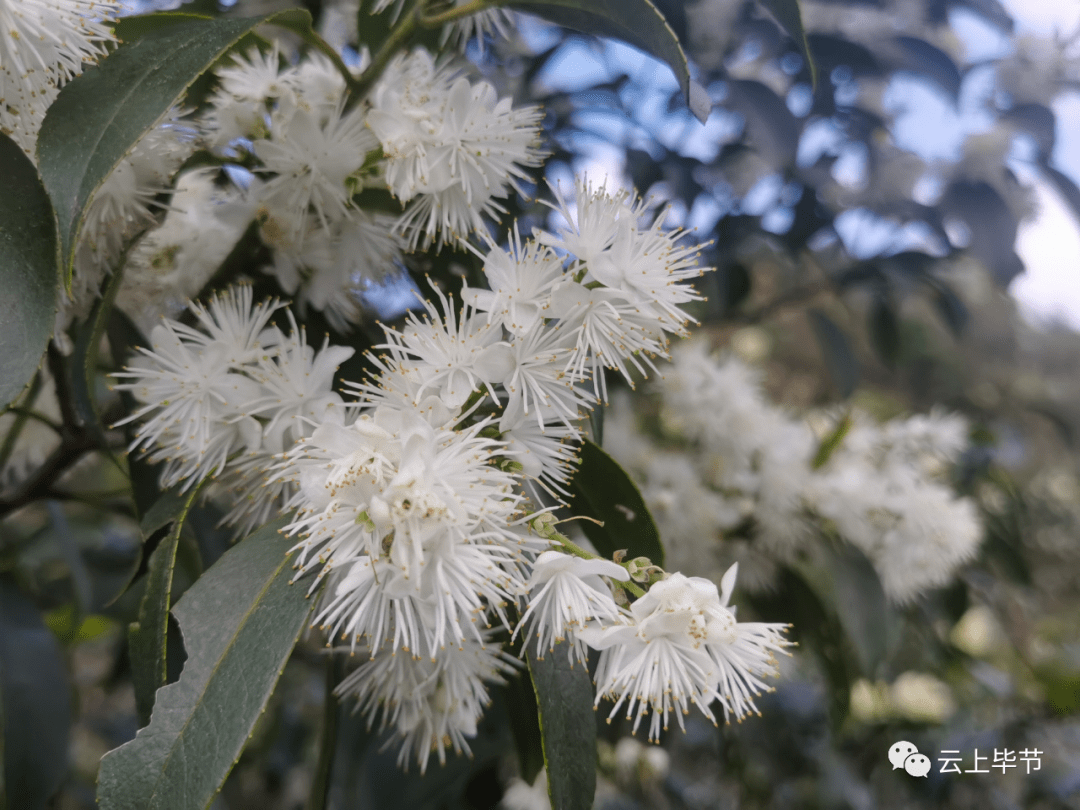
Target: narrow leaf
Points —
{"points": [[788, 16], [603, 490], [951, 308], [846, 583], [27, 270], [525, 725], [136, 26], [637, 22], [147, 635], [564, 694], [87, 347], [36, 705], [100, 116], [836, 351], [240, 621], [831, 443], [884, 327]]}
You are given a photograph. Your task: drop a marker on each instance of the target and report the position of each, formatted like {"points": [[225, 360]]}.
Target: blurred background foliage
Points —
{"points": [[815, 192]]}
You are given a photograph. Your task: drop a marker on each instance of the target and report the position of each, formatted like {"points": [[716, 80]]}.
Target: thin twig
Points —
{"points": [[456, 13], [400, 34]]}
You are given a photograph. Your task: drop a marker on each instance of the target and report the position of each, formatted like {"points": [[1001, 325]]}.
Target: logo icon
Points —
{"points": [[917, 764], [905, 755]]}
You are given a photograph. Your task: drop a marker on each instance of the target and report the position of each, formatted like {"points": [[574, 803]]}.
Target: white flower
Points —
{"points": [[296, 395], [521, 281], [532, 371], [312, 161], [611, 332], [478, 24], [172, 263], [645, 264], [43, 43], [564, 593], [248, 87], [432, 700], [195, 394], [451, 147], [453, 354], [682, 645], [125, 201], [883, 490], [520, 795], [544, 449], [420, 516], [120, 207]]}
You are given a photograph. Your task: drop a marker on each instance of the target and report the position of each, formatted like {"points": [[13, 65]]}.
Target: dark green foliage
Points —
{"points": [[604, 492], [28, 255]]}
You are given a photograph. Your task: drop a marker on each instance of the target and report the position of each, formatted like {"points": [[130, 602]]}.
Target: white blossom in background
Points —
{"points": [[173, 262], [882, 489], [744, 487], [490, 22], [520, 795]]}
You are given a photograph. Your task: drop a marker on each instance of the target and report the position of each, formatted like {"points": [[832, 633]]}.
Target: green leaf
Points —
{"points": [[831, 443], [36, 706], [136, 26], [240, 621], [100, 116], [816, 628], [85, 357], [147, 635], [637, 22], [845, 581], [596, 424], [602, 490], [788, 16], [951, 309], [564, 694], [28, 256], [525, 725], [836, 351], [884, 329]]}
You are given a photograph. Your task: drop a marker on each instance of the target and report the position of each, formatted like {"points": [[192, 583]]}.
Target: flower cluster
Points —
{"points": [[452, 148], [757, 476], [44, 43], [418, 505], [445, 147], [421, 497], [228, 396]]}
